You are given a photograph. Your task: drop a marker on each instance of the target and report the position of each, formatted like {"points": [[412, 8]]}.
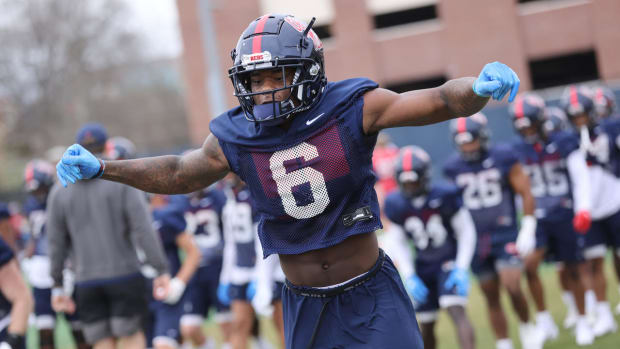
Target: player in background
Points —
{"points": [[241, 249], [384, 159], [306, 157], [38, 180], [169, 222], [444, 237], [204, 221], [119, 148], [490, 176], [560, 184], [605, 103], [599, 140], [268, 298], [16, 301]]}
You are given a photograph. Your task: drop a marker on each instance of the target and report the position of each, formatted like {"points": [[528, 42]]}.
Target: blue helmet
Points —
{"points": [[468, 129], [576, 101], [278, 42], [38, 174], [413, 165], [604, 101], [528, 110], [555, 120], [119, 148]]}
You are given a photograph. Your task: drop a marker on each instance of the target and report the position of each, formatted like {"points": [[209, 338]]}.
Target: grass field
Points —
{"points": [[445, 331]]}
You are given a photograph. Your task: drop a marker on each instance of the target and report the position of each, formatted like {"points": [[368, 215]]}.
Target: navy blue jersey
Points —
{"points": [[35, 211], [427, 222], [549, 179], [204, 221], [313, 183], [240, 216], [6, 255], [605, 151], [486, 188], [169, 222]]}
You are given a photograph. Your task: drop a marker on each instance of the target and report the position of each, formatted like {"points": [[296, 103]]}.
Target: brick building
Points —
{"points": [[406, 44]]}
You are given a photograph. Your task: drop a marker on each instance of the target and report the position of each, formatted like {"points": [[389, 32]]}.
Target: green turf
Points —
{"points": [[445, 331]]}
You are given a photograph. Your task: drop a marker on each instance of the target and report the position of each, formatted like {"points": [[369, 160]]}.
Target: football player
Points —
{"points": [[15, 299], [490, 177], [169, 221], [268, 298], [559, 181], [601, 143], [119, 148], [204, 221], [38, 180], [303, 146], [605, 103], [444, 237]]}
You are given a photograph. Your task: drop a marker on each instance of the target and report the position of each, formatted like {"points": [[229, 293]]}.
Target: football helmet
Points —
{"points": [[119, 148], [413, 165], [604, 101], [283, 42], [555, 120], [528, 110], [577, 100], [468, 129], [38, 174]]}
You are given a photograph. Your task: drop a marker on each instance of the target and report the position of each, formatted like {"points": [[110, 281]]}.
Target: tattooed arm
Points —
{"points": [[384, 108], [172, 174]]}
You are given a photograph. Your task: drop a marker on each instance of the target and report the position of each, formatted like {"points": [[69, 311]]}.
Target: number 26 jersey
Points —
{"points": [[487, 192], [312, 183]]}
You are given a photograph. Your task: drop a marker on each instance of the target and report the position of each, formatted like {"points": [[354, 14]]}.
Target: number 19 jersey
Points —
{"points": [[487, 192], [312, 182]]}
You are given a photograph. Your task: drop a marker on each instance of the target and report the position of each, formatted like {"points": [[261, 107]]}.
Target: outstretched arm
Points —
{"points": [[455, 98], [168, 174]]}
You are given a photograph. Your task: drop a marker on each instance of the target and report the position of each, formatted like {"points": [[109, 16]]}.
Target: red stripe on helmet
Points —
{"points": [[407, 162], [29, 175], [519, 108], [599, 95], [574, 99], [461, 125], [257, 40]]}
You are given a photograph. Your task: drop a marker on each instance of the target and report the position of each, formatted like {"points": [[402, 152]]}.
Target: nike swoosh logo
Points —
{"points": [[311, 121]]}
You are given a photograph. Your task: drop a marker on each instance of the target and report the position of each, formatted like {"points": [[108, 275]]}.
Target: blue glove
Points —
{"points": [[77, 163], [496, 79], [416, 288], [223, 294], [458, 278], [250, 292]]}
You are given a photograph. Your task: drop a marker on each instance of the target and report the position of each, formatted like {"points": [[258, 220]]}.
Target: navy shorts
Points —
{"points": [[238, 292], [201, 292], [166, 319], [434, 279], [602, 234], [495, 251], [370, 311], [562, 242]]}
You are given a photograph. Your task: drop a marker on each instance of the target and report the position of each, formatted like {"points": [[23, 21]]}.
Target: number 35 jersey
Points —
{"points": [[312, 182], [487, 193], [549, 179], [427, 222]]}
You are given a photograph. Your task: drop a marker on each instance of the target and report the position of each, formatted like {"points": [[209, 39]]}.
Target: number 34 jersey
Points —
{"points": [[312, 182], [487, 192], [427, 222], [549, 179]]}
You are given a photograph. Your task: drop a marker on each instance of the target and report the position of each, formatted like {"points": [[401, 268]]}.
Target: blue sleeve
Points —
{"points": [[172, 223], [566, 143], [6, 254], [453, 200], [392, 208]]}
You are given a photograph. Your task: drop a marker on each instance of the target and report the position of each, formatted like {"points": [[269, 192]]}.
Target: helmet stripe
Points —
{"points": [[407, 163], [519, 108], [461, 125], [29, 175], [257, 40], [574, 99]]}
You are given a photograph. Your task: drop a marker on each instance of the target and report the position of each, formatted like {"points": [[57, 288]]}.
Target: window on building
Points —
{"points": [[406, 16], [416, 84], [562, 70]]}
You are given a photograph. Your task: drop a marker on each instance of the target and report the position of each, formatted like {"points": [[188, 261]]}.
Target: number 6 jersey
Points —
{"points": [[312, 183], [486, 188]]}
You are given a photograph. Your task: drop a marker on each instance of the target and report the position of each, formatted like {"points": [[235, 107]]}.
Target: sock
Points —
{"points": [[569, 301], [590, 302], [504, 343], [543, 317]]}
